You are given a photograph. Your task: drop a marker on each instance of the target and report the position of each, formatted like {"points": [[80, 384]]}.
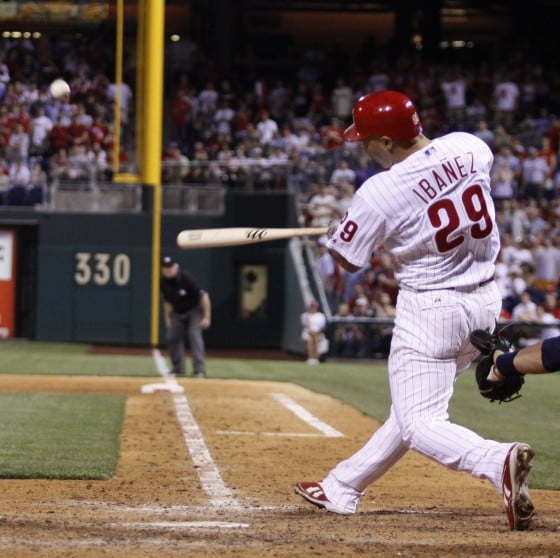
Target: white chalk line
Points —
{"points": [[183, 525], [288, 434], [210, 479], [306, 416], [114, 507], [209, 475]]}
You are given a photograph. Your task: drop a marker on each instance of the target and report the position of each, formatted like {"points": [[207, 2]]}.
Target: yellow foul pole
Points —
{"points": [[118, 84], [154, 23]]}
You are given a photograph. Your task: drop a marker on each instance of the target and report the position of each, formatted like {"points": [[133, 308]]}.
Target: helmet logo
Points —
{"points": [[415, 119]]}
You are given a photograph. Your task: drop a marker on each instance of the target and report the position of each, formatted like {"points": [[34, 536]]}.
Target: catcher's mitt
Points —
{"points": [[505, 390]]}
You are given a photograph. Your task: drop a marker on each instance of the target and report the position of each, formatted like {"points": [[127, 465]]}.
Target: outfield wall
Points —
{"points": [[86, 277]]}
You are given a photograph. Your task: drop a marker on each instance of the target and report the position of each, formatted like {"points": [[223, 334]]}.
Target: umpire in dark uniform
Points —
{"points": [[187, 309]]}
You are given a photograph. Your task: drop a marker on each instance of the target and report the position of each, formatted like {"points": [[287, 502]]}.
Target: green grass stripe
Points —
{"points": [[59, 436], [21, 357]]}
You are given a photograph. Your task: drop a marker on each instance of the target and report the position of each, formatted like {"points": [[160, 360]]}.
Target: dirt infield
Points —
{"points": [[210, 473]]}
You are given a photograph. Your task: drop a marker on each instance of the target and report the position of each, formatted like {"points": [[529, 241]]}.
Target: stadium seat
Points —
{"points": [[16, 195], [35, 195]]}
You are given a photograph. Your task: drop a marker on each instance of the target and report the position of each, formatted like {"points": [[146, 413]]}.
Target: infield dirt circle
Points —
{"points": [[210, 473]]}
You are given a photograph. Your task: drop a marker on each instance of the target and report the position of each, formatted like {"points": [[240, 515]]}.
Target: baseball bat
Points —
{"points": [[237, 236]]}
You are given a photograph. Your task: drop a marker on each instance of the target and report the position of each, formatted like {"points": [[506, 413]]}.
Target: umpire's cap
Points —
{"points": [[167, 261]]}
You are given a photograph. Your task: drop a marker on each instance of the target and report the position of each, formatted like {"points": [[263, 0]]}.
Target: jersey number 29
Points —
{"points": [[476, 211]]}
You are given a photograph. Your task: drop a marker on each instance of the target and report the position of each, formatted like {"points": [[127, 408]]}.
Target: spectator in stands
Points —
{"points": [[454, 87], [183, 109], [547, 314], [384, 267], [18, 144], [79, 169], [551, 157], [346, 192], [553, 134], [98, 130], [243, 117], [301, 107], [40, 129], [534, 172], [381, 334], [82, 117], [279, 102], [78, 132], [342, 101], [483, 132], [59, 165], [332, 136], [207, 99], [379, 78], [37, 185], [343, 173], [363, 308], [525, 309], [199, 169], [125, 98], [538, 225], [502, 180], [176, 165], [4, 79], [505, 153], [97, 158], [348, 338], [4, 178], [19, 173], [266, 128], [476, 111], [322, 206], [547, 263], [516, 221], [313, 324], [21, 115], [58, 136], [319, 109], [506, 100], [223, 117], [19, 177]]}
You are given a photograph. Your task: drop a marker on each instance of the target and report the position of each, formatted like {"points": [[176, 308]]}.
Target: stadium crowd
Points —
{"points": [[282, 130]]}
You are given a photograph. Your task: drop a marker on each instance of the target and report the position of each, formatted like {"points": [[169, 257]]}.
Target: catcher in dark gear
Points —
{"points": [[500, 372]]}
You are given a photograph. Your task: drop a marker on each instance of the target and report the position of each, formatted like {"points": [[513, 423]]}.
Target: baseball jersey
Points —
{"points": [[434, 214]]}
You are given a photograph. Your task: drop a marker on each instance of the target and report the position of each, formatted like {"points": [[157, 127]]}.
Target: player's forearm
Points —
{"points": [[167, 308], [206, 307], [344, 263]]}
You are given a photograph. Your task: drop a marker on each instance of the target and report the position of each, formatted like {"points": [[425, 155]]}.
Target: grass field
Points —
{"points": [[36, 417]]}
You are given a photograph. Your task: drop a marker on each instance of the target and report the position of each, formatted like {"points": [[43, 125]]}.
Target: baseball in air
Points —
{"points": [[59, 89]]}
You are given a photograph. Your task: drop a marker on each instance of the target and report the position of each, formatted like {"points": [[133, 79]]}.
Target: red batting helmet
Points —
{"points": [[385, 113]]}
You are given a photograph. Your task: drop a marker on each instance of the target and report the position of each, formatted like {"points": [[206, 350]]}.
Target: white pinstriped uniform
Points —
{"points": [[434, 213]]}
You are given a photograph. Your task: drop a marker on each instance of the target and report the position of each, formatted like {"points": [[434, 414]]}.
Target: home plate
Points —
{"points": [[163, 386]]}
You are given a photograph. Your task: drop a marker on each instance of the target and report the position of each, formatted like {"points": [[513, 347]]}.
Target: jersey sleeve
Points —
{"points": [[359, 232]]}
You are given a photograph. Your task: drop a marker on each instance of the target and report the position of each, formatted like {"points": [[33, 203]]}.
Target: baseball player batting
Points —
{"points": [[431, 208]]}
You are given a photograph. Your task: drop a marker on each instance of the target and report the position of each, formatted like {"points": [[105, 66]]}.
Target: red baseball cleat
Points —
{"points": [[313, 492], [517, 500]]}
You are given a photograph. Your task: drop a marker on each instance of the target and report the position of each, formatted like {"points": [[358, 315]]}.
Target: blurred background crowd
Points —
{"points": [[284, 131]]}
